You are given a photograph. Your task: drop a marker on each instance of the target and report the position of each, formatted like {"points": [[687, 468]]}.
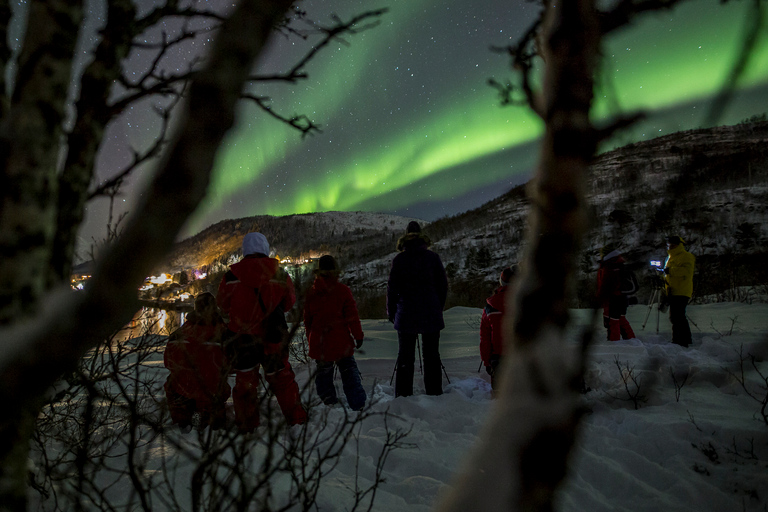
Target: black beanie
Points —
{"points": [[413, 227], [327, 262]]}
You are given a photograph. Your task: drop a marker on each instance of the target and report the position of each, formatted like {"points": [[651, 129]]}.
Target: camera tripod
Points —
{"points": [[657, 285]]}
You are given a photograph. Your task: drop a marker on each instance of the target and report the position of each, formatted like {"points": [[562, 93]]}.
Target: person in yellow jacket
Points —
{"points": [[678, 279]]}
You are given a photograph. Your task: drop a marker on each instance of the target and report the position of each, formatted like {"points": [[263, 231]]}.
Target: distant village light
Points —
{"points": [[161, 279]]}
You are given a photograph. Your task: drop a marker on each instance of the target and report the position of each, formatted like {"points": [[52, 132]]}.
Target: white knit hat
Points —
{"points": [[255, 242]]}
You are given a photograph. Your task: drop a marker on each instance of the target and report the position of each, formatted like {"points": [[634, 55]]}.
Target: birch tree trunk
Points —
{"points": [[522, 453], [35, 353]]}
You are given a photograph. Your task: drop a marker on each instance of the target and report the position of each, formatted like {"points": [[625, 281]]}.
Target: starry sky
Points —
{"points": [[409, 124]]}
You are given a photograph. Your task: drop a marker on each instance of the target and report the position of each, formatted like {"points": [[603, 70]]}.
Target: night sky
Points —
{"points": [[409, 124]]}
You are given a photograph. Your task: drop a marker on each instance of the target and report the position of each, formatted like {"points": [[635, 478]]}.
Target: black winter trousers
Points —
{"points": [[433, 378], [681, 331], [350, 380]]}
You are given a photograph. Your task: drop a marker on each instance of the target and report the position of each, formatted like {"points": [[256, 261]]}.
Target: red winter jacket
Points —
{"points": [[331, 320], [609, 279], [238, 298], [491, 340], [195, 358]]}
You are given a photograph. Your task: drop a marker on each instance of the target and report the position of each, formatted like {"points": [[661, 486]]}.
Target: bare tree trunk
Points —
{"points": [[522, 453], [30, 139], [36, 353], [83, 143], [5, 58]]}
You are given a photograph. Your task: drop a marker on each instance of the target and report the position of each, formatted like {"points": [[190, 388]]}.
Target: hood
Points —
{"points": [[255, 243], [677, 250], [496, 301], [324, 282], [255, 271], [412, 241]]}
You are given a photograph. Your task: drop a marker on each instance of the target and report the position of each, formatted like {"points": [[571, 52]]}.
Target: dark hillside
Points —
{"points": [[710, 186]]}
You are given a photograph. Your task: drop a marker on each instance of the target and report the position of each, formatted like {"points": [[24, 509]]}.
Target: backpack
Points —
{"points": [[628, 284], [245, 351]]}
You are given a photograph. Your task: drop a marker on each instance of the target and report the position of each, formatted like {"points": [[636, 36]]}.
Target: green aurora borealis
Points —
{"points": [[408, 119]]}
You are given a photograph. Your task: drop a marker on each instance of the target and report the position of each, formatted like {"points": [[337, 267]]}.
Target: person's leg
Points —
{"points": [[353, 385], [626, 329], [180, 407], [245, 397], [324, 382], [620, 309], [495, 364], [616, 309], [681, 331], [405, 359], [283, 385], [433, 366]]}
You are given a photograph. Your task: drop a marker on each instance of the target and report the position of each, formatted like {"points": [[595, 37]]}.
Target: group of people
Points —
{"points": [[243, 329], [616, 285]]}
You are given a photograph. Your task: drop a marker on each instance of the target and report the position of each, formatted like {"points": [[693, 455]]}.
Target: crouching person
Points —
{"points": [[197, 382], [334, 331]]}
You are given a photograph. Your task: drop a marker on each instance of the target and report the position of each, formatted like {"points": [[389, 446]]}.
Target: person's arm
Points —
{"points": [[393, 292], [351, 316], [308, 314], [289, 297], [485, 339], [224, 294], [442, 282]]}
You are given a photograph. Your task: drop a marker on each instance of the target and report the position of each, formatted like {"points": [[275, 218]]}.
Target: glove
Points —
{"points": [[489, 370], [359, 343], [666, 270]]}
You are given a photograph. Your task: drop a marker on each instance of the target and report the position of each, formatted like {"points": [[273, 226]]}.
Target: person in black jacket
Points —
{"points": [[416, 294]]}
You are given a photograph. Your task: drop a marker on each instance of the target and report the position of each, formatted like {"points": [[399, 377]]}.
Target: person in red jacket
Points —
{"points": [[334, 331], [491, 341], [612, 298], [197, 382], [254, 295]]}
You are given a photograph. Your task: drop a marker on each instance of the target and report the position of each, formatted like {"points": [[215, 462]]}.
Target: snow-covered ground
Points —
{"points": [[702, 446]]}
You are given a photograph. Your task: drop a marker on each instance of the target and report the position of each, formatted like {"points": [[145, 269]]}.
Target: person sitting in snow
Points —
{"points": [[612, 298], [197, 382], [491, 341], [334, 331], [254, 294], [416, 294]]}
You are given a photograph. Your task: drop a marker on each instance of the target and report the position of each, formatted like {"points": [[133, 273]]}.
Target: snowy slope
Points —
{"points": [[706, 449]]}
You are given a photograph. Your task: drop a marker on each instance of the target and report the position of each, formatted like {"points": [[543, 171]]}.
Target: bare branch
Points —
{"points": [[300, 122], [110, 300], [627, 10], [523, 54], [755, 24]]}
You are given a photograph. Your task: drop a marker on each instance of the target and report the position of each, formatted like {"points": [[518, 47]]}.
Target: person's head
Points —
{"points": [[413, 227], [673, 241], [614, 254], [255, 243], [327, 266], [506, 276], [206, 308]]}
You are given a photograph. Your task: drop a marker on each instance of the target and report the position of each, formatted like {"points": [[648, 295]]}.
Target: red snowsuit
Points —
{"points": [[613, 301], [331, 320], [197, 381], [490, 326], [252, 289]]}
